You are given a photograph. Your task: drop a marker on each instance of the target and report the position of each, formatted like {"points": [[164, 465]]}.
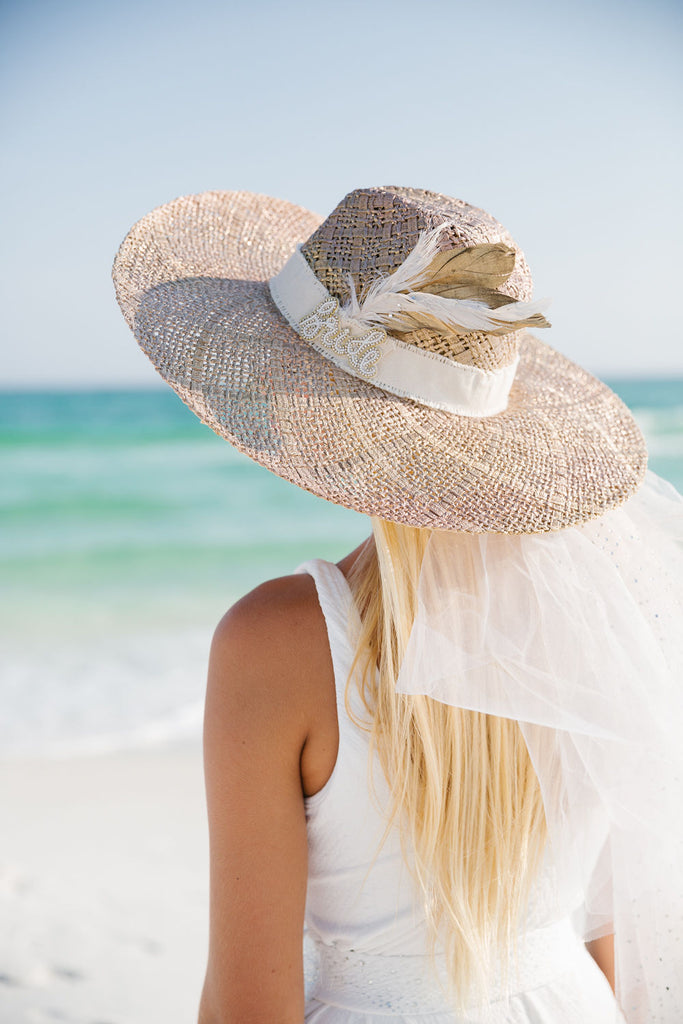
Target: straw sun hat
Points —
{"points": [[379, 358]]}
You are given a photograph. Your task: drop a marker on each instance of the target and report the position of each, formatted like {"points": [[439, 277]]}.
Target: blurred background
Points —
{"points": [[128, 528]]}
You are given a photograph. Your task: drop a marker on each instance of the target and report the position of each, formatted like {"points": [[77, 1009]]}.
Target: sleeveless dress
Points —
{"points": [[365, 946]]}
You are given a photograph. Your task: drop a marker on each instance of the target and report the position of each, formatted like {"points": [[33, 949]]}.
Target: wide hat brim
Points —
{"points": [[192, 280]]}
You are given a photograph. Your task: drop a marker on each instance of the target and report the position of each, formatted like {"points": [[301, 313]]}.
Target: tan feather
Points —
{"points": [[404, 322], [486, 266], [452, 291], [492, 298]]}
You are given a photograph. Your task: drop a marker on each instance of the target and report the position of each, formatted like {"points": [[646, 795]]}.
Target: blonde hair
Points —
{"points": [[464, 792]]}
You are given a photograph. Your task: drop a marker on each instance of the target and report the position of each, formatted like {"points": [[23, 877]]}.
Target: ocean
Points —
{"points": [[128, 529]]}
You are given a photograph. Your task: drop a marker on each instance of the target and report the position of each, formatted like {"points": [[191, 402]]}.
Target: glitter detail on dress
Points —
{"points": [[414, 984]]}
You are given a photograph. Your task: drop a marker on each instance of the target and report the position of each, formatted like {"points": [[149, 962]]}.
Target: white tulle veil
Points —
{"points": [[578, 635]]}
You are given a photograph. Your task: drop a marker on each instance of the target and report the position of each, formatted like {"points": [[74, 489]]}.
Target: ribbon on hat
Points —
{"points": [[354, 338]]}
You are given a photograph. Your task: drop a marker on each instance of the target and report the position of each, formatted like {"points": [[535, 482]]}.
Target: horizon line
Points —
{"points": [[664, 376]]}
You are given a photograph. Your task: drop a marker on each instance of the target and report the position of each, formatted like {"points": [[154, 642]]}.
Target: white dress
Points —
{"points": [[365, 948]]}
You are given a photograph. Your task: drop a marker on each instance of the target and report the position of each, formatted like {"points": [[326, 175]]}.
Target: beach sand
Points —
{"points": [[104, 888]]}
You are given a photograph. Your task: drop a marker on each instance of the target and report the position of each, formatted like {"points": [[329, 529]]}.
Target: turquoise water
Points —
{"points": [[128, 528]]}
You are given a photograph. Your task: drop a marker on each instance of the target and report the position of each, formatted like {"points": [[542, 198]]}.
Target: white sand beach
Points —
{"points": [[103, 888]]}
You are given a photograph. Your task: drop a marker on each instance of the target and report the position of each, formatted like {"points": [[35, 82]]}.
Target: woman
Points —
{"points": [[454, 755]]}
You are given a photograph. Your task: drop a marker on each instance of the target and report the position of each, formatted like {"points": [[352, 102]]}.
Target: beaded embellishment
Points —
{"points": [[324, 327]]}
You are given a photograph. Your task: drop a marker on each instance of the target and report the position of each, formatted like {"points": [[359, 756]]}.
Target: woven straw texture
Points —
{"points": [[372, 231], [191, 278]]}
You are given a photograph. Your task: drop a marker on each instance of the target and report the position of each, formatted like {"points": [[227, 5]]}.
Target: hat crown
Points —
{"points": [[372, 231]]}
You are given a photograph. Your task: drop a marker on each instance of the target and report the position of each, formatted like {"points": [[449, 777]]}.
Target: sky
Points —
{"points": [[563, 120]]}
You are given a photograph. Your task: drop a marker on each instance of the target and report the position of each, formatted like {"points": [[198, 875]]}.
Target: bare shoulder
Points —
{"points": [[271, 682], [266, 616], [270, 648], [267, 620]]}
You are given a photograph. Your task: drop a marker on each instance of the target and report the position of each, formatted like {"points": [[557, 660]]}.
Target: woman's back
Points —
{"points": [[367, 942], [520, 632]]}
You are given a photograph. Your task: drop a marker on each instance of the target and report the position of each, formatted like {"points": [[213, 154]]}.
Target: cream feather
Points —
{"points": [[460, 315], [395, 301], [406, 278]]}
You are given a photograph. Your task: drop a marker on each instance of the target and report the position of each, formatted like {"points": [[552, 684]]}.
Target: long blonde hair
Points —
{"points": [[464, 792]]}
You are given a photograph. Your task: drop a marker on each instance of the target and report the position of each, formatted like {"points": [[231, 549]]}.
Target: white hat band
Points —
{"points": [[378, 357]]}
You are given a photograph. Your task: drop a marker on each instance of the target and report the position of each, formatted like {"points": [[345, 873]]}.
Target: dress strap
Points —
{"points": [[341, 617]]}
